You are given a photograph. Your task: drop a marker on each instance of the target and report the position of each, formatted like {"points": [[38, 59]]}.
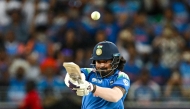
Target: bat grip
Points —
{"points": [[75, 77]]}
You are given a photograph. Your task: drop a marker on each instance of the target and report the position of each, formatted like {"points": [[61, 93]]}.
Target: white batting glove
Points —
{"points": [[72, 84], [81, 87], [85, 87], [67, 77]]}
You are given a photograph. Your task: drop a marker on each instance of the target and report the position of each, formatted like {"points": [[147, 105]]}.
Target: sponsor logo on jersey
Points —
{"points": [[99, 81], [95, 80], [126, 82], [111, 82]]}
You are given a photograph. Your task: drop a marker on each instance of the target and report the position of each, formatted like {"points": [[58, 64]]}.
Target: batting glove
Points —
{"points": [[81, 87], [72, 84]]}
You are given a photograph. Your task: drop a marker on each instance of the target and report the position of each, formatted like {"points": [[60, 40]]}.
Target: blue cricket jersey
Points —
{"points": [[117, 79]]}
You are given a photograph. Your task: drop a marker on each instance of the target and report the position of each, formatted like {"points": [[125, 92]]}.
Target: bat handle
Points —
{"points": [[76, 78]]}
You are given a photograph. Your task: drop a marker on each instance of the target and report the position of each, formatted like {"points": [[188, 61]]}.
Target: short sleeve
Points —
{"points": [[122, 81]]}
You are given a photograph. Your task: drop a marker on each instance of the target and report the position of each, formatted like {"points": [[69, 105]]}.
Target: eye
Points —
{"points": [[102, 61], [97, 61]]}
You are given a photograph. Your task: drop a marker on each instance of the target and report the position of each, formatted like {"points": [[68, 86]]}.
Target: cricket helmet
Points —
{"points": [[105, 50]]}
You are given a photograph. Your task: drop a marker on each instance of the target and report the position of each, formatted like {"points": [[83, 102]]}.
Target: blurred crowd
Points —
{"points": [[37, 36]]}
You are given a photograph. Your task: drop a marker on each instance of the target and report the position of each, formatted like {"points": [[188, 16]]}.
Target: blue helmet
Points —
{"points": [[105, 50]]}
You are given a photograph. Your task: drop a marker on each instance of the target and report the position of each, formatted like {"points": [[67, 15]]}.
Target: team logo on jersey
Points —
{"points": [[98, 51], [126, 82]]}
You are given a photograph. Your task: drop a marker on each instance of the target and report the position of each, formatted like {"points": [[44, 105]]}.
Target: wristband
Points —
{"points": [[94, 88]]}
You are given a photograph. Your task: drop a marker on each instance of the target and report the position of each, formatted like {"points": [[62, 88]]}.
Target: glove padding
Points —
{"points": [[82, 87], [71, 83]]}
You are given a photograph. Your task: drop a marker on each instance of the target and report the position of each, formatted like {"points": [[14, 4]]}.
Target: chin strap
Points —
{"points": [[102, 76], [114, 64]]}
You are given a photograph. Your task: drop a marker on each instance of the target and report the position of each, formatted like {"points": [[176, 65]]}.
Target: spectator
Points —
{"points": [[18, 71], [11, 44], [80, 57], [109, 25], [123, 6], [186, 36], [142, 33], [144, 90], [4, 75], [181, 16], [174, 90], [32, 99], [100, 36], [170, 44], [18, 25], [133, 65], [4, 18], [50, 84], [69, 44], [184, 68], [34, 71], [124, 41], [158, 72]]}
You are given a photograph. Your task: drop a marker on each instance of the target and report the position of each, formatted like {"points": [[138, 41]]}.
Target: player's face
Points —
{"points": [[104, 66]]}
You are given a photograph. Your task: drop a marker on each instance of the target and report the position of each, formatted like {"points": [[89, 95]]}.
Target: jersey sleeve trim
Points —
{"points": [[123, 75]]}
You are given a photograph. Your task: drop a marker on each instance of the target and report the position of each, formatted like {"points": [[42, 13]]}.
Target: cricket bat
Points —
{"points": [[73, 70]]}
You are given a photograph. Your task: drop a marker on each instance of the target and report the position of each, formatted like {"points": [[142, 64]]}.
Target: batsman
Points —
{"points": [[104, 86]]}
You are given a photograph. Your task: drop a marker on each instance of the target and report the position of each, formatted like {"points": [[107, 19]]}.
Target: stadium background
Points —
{"points": [[37, 36]]}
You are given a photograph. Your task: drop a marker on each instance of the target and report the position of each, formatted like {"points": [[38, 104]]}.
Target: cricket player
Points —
{"points": [[104, 86]]}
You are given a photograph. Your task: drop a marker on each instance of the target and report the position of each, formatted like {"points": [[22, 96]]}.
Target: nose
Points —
{"points": [[102, 64]]}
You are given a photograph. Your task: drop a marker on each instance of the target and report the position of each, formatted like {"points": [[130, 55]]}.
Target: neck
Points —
{"points": [[107, 75]]}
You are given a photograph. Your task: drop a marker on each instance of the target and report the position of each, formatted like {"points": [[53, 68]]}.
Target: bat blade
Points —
{"points": [[73, 70]]}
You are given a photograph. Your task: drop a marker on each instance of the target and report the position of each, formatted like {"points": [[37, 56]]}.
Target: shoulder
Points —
{"points": [[123, 75], [87, 70]]}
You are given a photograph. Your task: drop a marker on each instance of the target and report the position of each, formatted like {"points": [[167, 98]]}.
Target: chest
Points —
{"points": [[103, 82]]}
